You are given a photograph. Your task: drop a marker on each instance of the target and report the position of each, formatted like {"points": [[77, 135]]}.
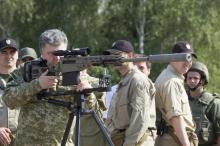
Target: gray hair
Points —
{"points": [[52, 37]]}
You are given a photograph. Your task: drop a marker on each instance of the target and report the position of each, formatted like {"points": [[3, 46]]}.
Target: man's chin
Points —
{"points": [[10, 65], [185, 71], [51, 64], [192, 87]]}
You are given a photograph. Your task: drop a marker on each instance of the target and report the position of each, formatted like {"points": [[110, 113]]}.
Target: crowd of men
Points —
{"points": [[176, 110]]}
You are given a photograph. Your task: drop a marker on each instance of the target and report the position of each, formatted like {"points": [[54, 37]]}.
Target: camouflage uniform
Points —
{"points": [[205, 106], [40, 123], [90, 134], [128, 115], [206, 113], [8, 117]]}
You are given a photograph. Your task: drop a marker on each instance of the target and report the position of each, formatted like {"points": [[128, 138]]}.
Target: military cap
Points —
{"points": [[8, 43], [120, 46], [183, 47], [27, 52]]}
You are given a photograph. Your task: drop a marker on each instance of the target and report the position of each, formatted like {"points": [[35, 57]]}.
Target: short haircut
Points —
{"points": [[52, 37]]}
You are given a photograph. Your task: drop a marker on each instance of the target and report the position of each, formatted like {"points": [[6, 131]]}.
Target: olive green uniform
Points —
{"points": [[206, 114], [172, 100], [128, 116], [8, 117]]}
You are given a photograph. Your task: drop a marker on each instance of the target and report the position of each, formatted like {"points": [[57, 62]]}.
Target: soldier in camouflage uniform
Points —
{"points": [[26, 54], [41, 123], [90, 134], [205, 106], [8, 118]]}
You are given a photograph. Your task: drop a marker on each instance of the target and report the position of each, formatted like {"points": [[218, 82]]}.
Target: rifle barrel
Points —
{"points": [[161, 58]]}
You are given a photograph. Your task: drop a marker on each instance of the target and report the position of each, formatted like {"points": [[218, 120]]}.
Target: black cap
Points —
{"points": [[8, 43], [120, 46], [183, 47]]}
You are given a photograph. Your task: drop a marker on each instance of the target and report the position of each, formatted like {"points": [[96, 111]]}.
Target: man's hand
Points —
{"points": [[83, 85], [5, 136], [179, 127], [47, 82]]}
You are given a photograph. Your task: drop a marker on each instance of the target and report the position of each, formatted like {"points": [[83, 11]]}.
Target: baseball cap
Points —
{"points": [[8, 43], [183, 47], [120, 46], [27, 52]]}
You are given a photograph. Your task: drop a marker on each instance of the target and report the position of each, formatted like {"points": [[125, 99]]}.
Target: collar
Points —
{"points": [[126, 78], [171, 69]]}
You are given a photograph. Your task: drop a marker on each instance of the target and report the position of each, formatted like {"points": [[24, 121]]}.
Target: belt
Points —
{"points": [[152, 128], [168, 129], [121, 130], [150, 131]]}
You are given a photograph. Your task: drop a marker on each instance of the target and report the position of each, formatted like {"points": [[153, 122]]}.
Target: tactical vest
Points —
{"points": [[204, 128]]}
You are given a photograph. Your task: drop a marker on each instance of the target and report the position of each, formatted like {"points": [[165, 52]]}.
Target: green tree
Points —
{"points": [[14, 13], [151, 25]]}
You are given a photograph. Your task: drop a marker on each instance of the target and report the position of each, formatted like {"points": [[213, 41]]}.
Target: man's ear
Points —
{"points": [[202, 82]]}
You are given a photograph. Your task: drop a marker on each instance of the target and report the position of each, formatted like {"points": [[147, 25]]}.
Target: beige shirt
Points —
{"points": [[130, 106], [171, 97], [152, 123]]}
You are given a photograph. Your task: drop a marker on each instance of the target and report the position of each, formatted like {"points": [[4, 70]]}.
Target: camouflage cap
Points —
{"points": [[8, 43], [27, 52]]}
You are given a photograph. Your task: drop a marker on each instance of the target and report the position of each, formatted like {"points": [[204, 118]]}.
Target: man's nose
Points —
{"points": [[192, 80], [57, 57]]}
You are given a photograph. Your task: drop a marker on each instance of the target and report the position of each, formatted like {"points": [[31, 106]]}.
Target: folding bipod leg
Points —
{"points": [[78, 111], [102, 128]]}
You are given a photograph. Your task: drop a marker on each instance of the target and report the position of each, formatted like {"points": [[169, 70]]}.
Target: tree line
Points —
{"points": [[153, 26]]}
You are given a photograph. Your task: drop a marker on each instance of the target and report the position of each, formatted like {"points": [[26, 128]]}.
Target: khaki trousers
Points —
{"points": [[168, 140], [146, 139]]}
